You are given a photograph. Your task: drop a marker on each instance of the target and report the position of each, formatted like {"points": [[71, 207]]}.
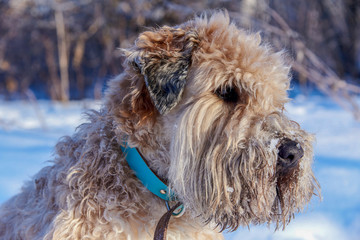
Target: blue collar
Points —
{"points": [[146, 176]]}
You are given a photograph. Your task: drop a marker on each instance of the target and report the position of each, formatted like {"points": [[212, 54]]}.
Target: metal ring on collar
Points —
{"points": [[178, 212]]}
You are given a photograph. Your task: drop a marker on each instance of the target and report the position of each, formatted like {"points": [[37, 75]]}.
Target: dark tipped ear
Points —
{"points": [[165, 80], [163, 58]]}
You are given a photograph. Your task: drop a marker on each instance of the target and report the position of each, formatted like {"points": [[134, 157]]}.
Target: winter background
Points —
{"points": [[30, 130], [57, 55]]}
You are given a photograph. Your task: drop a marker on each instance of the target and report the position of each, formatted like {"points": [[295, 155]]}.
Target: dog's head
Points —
{"points": [[205, 102]]}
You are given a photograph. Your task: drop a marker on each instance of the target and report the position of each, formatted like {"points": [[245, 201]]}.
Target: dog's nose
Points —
{"points": [[290, 152]]}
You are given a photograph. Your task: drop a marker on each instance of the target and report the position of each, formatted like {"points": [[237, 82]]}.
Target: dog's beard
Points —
{"points": [[225, 169]]}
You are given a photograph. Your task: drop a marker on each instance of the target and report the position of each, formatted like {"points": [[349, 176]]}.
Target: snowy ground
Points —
{"points": [[28, 132]]}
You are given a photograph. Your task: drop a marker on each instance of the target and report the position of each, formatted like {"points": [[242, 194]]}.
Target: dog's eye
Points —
{"points": [[228, 94]]}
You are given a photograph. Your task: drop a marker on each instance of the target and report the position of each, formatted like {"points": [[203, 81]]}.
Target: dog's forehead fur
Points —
{"points": [[228, 55]]}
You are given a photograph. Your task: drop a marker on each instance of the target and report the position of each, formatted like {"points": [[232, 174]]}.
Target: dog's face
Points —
{"points": [[217, 101]]}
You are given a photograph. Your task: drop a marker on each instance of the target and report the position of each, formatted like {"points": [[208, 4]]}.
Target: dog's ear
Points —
{"points": [[163, 58]]}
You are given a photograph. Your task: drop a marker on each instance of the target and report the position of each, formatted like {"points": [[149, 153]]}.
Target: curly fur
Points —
{"points": [[218, 157]]}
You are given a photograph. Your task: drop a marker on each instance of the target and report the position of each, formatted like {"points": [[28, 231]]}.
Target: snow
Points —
{"points": [[273, 144], [29, 131]]}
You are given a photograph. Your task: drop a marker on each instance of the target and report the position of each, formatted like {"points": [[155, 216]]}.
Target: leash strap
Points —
{"points": [[162, 226]]}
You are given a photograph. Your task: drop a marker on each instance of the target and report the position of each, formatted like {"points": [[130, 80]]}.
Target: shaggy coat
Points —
{"points": [[203, 102]]}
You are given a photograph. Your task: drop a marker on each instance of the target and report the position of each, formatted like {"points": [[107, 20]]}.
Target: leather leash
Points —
{"points": [[162, 226]]}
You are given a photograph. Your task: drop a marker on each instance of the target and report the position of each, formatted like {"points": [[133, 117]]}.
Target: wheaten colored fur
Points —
{"points": [[218, 157]]}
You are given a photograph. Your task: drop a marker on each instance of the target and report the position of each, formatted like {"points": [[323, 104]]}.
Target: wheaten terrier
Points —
{"points": [[201, 105]]}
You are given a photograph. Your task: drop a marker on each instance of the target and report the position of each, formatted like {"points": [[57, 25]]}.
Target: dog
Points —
{"points": [[191, 140]]}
